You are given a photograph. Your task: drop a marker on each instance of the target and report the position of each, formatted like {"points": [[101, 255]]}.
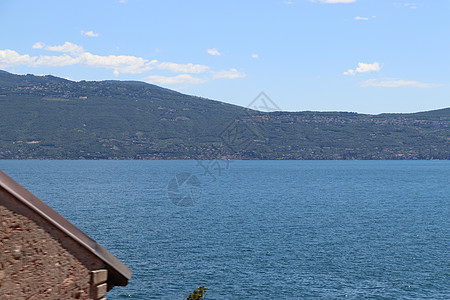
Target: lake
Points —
{"points": [[260, 229]]}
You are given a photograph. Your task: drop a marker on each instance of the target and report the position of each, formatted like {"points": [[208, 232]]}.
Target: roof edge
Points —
{"points": [[52, 216]]}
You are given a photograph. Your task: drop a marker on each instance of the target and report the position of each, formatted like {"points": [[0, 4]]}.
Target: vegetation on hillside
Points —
{"points": [[45, 117]]}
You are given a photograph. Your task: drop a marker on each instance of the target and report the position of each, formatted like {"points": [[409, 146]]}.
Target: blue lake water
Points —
{"points": [[260, 229]]}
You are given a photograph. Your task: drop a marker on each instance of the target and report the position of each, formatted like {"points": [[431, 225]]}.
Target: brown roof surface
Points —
{"points": [[120, 273]]}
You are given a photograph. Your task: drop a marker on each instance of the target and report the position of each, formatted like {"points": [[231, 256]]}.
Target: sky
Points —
{"points": [[366, 56]]}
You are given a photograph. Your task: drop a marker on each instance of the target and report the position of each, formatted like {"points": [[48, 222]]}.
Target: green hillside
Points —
{"points": [[45, 117]]}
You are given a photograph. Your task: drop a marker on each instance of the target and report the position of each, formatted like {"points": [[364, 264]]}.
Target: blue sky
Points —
{"points": [[368, 56]]}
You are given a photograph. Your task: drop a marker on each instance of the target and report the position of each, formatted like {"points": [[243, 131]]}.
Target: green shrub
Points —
{"points": [[199, 293]]}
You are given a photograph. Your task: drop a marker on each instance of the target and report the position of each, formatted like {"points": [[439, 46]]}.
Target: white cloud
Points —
{"points": [[125, 63], [361, 18], [67, 47], [288, 2], [89, 33], [119, 63], [73, 54], [55, 61], [407, 5], [213, 52], [10, 58], [334, 1], [179, 79], [410, 5], [180, 68], [38, 45], [364, 68], [397, 83], [230, 74], [255, 56]]}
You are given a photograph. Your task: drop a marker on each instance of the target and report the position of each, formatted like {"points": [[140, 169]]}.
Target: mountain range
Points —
{"points": [[46, 117]]}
